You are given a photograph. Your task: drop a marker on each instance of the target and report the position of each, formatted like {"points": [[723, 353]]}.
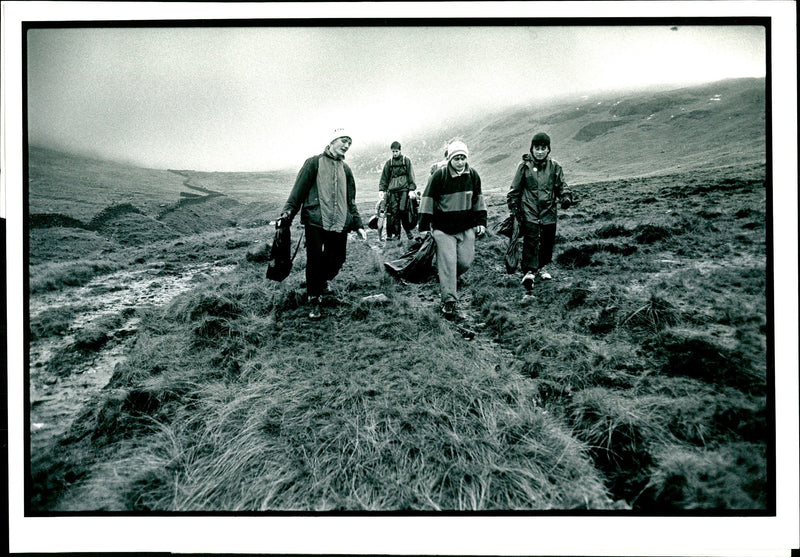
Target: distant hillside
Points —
{"points": [[599, 138], [606, 137], [80, 187]]}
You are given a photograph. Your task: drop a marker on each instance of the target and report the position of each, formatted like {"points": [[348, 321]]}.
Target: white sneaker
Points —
{"points": [[528, 280], [316, 310], [544, 275]]}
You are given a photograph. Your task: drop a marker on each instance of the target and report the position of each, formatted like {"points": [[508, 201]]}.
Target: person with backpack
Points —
{"points": [[325, 192], [537, 187], [453, 207], [439, 164], [397, 195]]}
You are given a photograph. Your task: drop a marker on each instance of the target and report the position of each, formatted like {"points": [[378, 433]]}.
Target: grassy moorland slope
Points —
{"points": [[635, 380]]}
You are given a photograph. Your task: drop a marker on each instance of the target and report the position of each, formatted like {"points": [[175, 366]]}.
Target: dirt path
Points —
{"points": [[187, 182], [57, 396]]}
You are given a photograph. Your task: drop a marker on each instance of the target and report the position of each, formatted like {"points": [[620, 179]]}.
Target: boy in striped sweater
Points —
{"points": [[453, 207]]}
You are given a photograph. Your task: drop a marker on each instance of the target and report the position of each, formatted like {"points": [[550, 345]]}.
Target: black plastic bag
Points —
{"points": [[506, 228], [410, 214], [416, 265], [512, 229], [280, 256]]}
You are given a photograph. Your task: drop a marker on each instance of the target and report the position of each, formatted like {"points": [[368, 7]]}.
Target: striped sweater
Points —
{"points": [[452, 203]]}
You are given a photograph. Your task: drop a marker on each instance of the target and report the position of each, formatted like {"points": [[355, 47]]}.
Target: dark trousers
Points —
{"points": [[325, 255], [537, 245], [396, 211]]}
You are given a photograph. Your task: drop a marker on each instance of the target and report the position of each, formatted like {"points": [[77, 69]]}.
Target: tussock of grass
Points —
{"points": [[52, 321], [653, 316], [582, 256], [702, 357], [97, 334], [619, 431], [418, 419], [315, 441], [54, 276], [612, 231], [650, 233], [731, 477], [702, 416]]}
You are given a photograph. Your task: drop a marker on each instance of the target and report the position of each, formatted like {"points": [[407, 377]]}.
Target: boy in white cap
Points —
{"points": [[325, 190], [453, 206], [537, 186]]}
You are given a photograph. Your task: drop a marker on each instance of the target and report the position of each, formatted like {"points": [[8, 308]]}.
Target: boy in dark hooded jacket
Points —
{"points": [[537, 187]]}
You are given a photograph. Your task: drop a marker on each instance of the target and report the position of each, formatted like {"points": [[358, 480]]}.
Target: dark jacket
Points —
{"points": [[397, 175], [451, 203], [305, 194], [536, 190]]}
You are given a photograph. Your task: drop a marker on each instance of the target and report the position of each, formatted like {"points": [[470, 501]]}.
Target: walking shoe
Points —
{"points": [[316, 310], [528, 280], [449, 310], [544, 275]]}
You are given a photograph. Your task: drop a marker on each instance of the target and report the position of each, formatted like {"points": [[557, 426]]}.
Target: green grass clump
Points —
{"points": [[650, 233], [703, 357], [97, 334], [418, 419], [52, 321], [54, 276], [730, 477], [612, 231], [655, 315], [620, 431]]}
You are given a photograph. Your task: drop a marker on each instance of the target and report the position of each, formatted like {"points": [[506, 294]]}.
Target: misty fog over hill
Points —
{"points": [[607, 136], [594, 138]]}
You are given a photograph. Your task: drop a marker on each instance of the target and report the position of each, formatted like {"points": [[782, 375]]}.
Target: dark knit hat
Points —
{"points": [[540, 138], [395, 145]]}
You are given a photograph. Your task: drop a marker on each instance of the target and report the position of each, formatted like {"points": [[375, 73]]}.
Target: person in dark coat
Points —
{"points": [[324, 193], [396, 190], [536, 189]]}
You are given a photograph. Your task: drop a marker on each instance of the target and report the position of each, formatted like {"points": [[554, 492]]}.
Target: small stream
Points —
{"points": [[56, 398]]}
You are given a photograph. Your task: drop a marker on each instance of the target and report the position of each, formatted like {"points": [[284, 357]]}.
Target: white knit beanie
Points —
{"points": [[337, 133], [457, 148]]}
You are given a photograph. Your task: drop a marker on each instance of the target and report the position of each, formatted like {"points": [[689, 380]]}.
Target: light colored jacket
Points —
{"points": [[325, 191]]}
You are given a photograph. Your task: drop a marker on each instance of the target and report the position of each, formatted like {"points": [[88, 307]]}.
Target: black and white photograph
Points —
{"points": [[419, 278]]}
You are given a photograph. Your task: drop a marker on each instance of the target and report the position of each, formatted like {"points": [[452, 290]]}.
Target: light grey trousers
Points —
{"points": [[454, 255]]}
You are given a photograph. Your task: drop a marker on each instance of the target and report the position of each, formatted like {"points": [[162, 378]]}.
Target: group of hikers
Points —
{"points": [[451, 209]]}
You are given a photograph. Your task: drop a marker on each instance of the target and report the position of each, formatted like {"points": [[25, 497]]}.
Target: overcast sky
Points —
{"points": [[259, 98]]}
